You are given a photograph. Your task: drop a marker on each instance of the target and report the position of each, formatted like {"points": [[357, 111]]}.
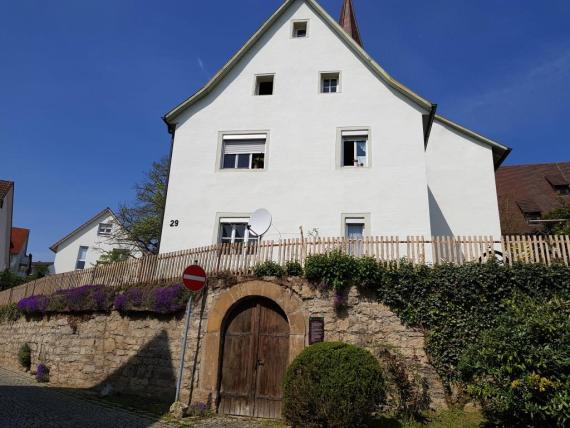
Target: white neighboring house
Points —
{"points": [[303, 122], [6, 212], [84, 246]]}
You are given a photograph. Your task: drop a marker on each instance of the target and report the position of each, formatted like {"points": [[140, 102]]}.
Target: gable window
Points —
{"points": [[354, 148], [264, 85], [243, 151], [300, 29], [233, 230], [81, 257], [330, 83], [104, 229]]}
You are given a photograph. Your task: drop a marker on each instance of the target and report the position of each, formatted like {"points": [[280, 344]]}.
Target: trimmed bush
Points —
{"points": [[25, 356], [269, 268], [294, 268], [520, 370], [42, 373], [332, 384]]}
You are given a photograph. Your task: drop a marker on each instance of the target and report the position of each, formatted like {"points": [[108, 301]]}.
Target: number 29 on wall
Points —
{"points": [[174, 223]]}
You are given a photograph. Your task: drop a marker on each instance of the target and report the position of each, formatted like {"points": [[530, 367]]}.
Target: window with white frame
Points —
{"points": [[105, 229], [355, 227], [233, 230], [299, 29], [81, 257], [243, 151], [354, 148], [330, 83]]}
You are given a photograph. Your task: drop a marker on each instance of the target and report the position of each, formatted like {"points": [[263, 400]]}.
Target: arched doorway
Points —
{"points": [[255, 355]]}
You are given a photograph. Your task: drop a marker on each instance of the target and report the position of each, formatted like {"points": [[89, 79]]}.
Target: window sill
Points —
{"points": [[254, 170]]}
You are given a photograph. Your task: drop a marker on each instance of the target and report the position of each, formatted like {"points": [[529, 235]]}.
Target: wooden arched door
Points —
{"points": [[255, 355]]}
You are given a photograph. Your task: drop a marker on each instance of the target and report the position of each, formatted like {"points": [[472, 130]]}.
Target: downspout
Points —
{"points": [[428, 122], [171, 130]]}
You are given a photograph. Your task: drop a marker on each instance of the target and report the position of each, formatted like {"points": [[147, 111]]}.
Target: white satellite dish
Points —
{"points": [[260, 222]]}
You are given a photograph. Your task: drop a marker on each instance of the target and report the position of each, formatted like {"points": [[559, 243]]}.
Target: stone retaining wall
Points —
{"points": [[139, 354]]}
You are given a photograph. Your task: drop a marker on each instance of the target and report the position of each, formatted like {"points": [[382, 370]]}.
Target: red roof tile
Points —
{"points": [[529, 188], [5, 187], [18, 239]]}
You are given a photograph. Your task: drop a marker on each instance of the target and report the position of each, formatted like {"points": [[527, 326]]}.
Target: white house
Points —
{"points": [[83, 247], [303, 122], [6, 212]]}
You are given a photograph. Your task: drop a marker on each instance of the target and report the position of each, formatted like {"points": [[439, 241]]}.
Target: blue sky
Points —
{"points": [[83, 84]]}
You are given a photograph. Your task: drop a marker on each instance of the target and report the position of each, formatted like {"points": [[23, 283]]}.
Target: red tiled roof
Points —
{"points": [[348, 22], [529, 188], [5, 187], [18, 239]]}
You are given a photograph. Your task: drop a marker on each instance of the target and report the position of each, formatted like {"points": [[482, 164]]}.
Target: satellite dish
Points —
{"points": [[260, 221]]}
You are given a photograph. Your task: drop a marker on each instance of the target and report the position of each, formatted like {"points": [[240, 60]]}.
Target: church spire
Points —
{"points": [[348, 22]]}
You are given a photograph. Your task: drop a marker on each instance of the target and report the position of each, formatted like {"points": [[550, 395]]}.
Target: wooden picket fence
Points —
{"points": [[240, 259]]}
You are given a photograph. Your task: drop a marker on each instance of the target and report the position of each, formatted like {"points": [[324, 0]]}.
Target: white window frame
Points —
{"points": [[106, 226], [329, 75], [84, 260], [241, 135], [353, 133], [259, 78], [355, 218], [296, 22]]}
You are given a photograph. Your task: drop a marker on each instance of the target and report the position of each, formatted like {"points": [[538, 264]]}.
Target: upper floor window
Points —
{"points": [[81, 258], [354, 148], [299, 29], [243, 151], [264, 84], [105, 229], [330, 83]]}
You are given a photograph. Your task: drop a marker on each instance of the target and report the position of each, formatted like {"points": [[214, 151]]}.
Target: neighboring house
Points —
{"points": [[528, 192], [83, 247], [302, 121], [42, 268], [6, 212], [19, 259]]}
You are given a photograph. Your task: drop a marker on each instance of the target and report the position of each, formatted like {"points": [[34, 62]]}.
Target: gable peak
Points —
{"points": [[348, 22]]}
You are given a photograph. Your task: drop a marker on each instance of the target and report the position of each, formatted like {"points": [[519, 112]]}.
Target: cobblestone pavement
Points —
{"points": [[27, 404]]}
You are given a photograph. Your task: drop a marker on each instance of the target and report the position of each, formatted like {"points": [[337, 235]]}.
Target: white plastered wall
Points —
{"points": [[461, 180], [66, 256], [302, 184]]}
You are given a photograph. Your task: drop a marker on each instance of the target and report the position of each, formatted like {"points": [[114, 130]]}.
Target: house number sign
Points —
{"points": [[316, 330]]}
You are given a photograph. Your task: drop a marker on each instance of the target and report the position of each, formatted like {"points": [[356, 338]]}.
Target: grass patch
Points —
{"points": [[444, 419]]}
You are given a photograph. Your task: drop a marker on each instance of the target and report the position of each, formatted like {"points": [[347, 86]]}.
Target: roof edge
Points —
{"points": [[107, 211]]}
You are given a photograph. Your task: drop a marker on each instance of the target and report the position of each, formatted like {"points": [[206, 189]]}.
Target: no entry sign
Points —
{"points": [[194, 278]]}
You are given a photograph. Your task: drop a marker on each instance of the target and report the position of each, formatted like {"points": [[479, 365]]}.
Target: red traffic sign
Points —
{"points": [[194, 278]]}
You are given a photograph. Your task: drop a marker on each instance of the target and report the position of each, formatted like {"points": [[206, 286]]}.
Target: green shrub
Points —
{"points": [[369, 272], [520, 370], [25, 356], [334, 269], [269, 268], [332, 384], [9, 312], [294, 268]]}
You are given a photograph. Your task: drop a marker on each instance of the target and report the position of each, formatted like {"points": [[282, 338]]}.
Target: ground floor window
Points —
{"points": [[233, 231]]}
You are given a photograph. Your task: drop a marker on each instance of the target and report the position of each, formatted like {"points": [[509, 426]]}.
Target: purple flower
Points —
{"points": [[42, 373], [169, 299], [132, 298], [87, 297], [120, 302], [33, 304]]}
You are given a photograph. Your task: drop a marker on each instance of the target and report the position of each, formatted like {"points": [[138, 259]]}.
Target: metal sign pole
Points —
{"points": [[183, 347]]}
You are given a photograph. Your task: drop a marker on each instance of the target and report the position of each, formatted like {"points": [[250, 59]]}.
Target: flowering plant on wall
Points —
{"points": [[162, 300], [82, 299], [42, 373]]}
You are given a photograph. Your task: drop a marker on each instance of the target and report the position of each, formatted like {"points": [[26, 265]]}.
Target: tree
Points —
{"points": [[561, 213], [141, 221]]}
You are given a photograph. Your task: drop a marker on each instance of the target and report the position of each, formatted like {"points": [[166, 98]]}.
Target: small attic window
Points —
{"points": [[299, 29], [264, 85], [330, 83]]}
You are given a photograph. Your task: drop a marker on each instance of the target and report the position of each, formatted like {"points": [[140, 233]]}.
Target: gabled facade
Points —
{"points": [[83, 247], [6, 212], [302, 122]]}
